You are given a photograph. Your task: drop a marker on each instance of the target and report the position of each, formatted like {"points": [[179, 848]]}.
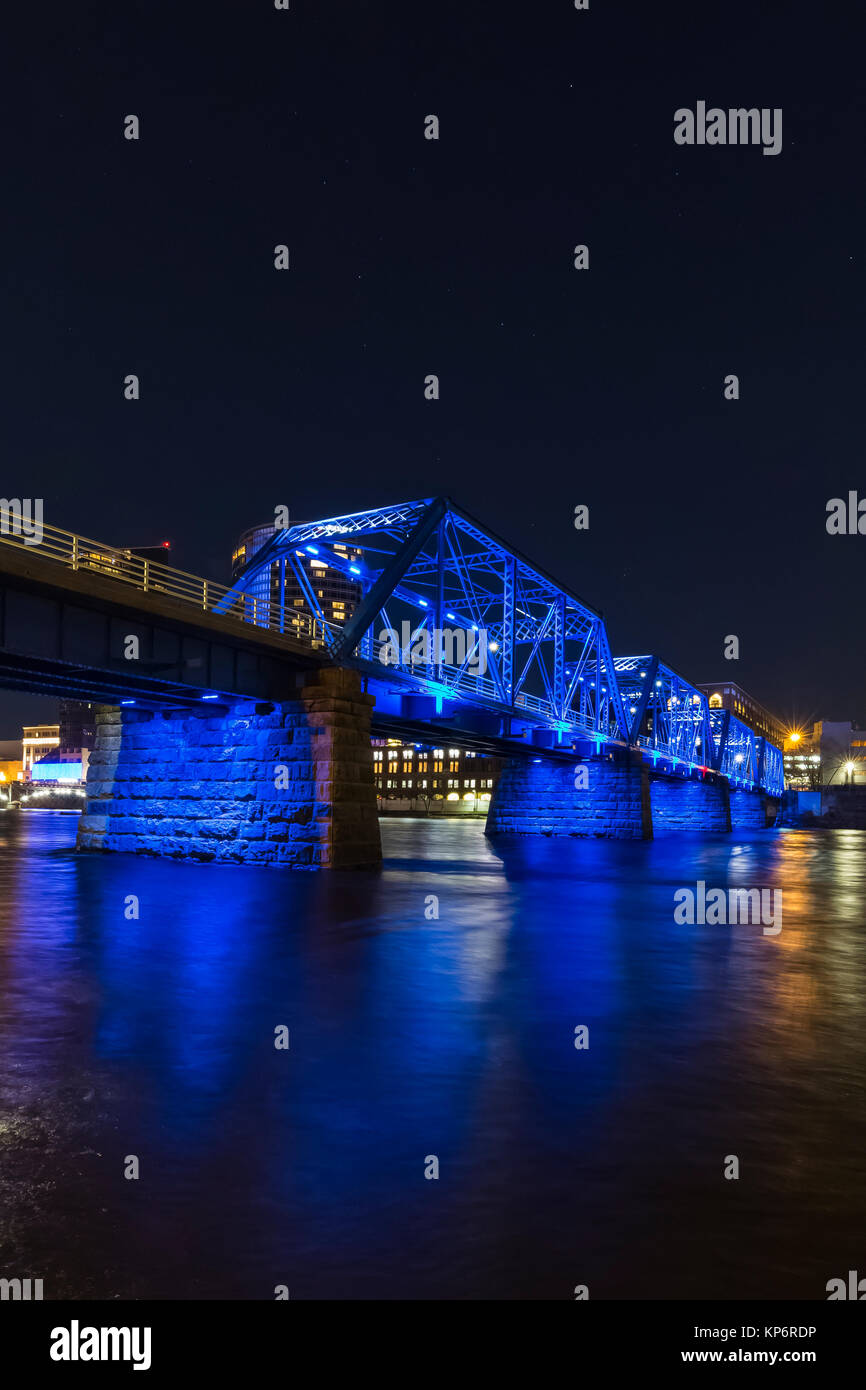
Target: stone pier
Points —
{"points": [[606, 797], [685, 804], [289, 783], [752, 810]]}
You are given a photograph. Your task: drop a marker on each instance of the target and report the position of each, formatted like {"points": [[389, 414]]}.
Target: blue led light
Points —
{"points": [[56, 772]]}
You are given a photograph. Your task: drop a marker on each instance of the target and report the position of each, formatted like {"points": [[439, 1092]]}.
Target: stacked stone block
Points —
{"points": [[684, 804], [751, 810], [546, 797], [288, 783]]}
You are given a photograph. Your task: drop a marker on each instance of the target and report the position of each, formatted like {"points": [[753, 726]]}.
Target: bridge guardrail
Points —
{"points": [[123, 566]]}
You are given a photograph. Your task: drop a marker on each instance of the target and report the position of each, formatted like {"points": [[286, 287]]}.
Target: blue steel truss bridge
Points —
{"points": [[451, 628], [451, 621]]}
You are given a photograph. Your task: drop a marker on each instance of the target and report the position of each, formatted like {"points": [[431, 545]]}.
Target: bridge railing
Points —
{"points": [[123, 566]]}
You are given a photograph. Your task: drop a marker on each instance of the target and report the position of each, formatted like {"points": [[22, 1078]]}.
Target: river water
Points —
{"points": [[415, 1035]]}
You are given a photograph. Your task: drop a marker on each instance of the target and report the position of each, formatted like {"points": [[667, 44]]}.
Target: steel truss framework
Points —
{"points": [[673, 719], [447, 609]]}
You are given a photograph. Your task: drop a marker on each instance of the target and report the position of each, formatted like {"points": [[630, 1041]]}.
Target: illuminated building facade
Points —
{"points": [[727, 695], [411, 771], [802, 759], [36, 741], [62, 766]]}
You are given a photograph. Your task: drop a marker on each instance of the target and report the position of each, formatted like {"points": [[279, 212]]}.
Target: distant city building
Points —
{"points": [[11, 768], [336, 593], [59, 752], [802, 759], [65, 765], [830, 754], [727, 695], [843, 753], [36, 741], [409, 771]]}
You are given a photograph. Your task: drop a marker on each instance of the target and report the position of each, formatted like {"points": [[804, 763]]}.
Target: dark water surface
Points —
{"points": [[412, 1037]]}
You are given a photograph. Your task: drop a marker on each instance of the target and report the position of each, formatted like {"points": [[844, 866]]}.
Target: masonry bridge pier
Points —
{"points": [[235, 726]]}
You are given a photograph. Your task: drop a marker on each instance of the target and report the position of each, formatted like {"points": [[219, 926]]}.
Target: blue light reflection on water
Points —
{"points": [[451, 1036]]}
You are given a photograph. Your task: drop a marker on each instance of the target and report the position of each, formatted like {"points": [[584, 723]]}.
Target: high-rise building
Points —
{"points": [[335, 592]]}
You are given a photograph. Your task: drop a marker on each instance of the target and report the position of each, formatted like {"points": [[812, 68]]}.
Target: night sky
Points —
{"points": [[410, 257]]}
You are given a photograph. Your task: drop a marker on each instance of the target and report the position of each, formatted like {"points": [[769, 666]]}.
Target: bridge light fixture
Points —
{"points": [[493, 646], [210, 697], [353, 569], [643, 675], [312, 550], [423, 602], [452, 616]]}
